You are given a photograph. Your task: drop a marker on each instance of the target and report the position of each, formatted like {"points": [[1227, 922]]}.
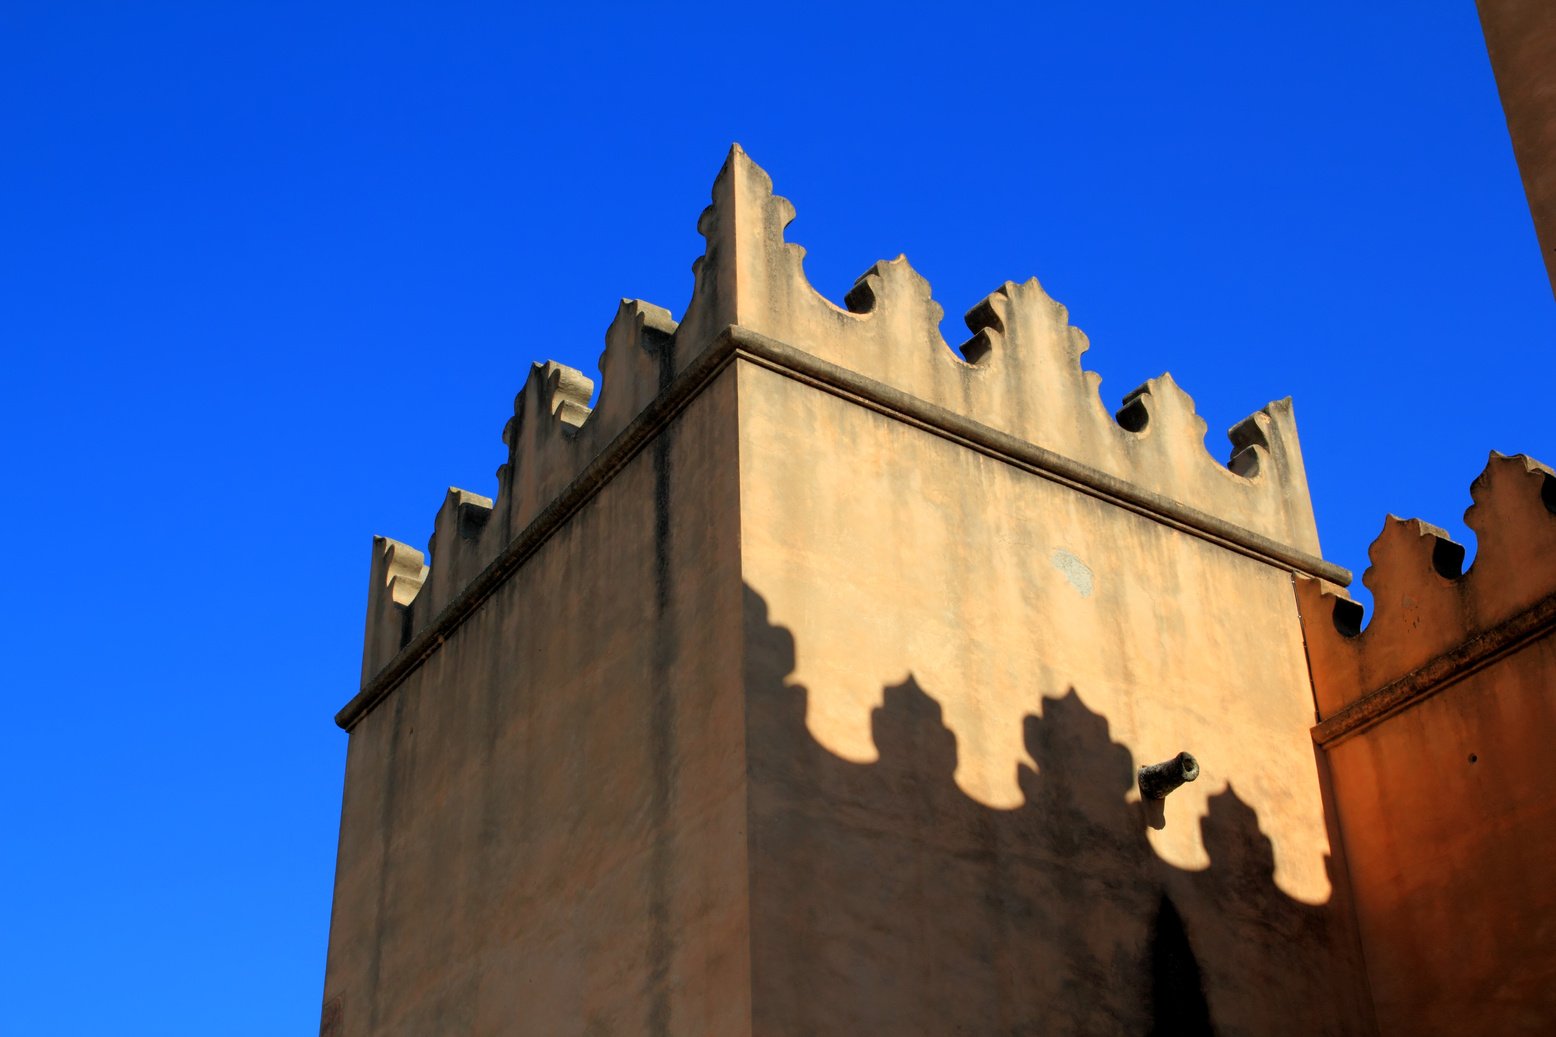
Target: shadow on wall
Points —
{"points": [[885, 900]]}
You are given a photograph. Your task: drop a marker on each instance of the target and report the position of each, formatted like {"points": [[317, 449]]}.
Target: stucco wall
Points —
{"points": [[800, 687], [953, 668], [543, 824], [1449, 819], [1437, 720]]}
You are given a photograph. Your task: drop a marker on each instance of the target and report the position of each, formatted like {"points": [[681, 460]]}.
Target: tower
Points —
{"points": [[800, 686]]}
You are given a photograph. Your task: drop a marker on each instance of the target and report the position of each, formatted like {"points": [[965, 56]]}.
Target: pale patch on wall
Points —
{"points": [[1075, 571]]}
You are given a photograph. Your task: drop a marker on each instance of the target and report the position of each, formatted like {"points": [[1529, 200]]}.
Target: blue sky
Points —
{"points": [[271, 274]]}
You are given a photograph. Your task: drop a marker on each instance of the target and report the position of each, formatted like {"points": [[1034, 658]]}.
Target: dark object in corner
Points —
{"points": [[1158, 779]]}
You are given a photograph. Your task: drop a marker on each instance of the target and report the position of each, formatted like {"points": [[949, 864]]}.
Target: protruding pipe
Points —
{"points": [[1158, 779]]}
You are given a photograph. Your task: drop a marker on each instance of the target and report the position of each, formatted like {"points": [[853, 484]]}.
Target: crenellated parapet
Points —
{"points": [[396, 575], [1017, 379], [553, 432], [1428, 611], [552, 435], [1018, 373], [458, 532]]}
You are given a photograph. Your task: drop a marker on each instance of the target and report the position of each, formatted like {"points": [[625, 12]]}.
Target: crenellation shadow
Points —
{"points": [[886, 900]]}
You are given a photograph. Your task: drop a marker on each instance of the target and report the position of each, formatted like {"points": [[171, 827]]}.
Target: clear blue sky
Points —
{"points": [[271, 273]]}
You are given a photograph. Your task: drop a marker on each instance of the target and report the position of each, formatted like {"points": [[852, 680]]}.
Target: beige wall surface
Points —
{"points": [[543, 825], [953, 668]]}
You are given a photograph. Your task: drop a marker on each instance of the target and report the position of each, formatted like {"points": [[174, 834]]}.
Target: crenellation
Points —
{"points": [[454, 552], [634, 368], [552, 436], [1019, 373], [396, 575], [547, 414], [1425, 603], [1256, 436], [1514, 520], [569, 392], [547, 452]]}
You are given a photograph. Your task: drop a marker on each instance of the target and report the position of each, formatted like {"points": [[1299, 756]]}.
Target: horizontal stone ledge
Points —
{"points": [[1473, 654], [796, 363]]}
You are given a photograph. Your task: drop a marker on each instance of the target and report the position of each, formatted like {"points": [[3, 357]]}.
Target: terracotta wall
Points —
{"points": [[1437, 725]]}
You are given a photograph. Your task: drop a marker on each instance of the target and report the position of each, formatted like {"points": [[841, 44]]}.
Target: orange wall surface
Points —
{"points": [[1437, 722], [1448, 813]]}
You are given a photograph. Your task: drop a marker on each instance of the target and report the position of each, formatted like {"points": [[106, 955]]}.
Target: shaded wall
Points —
{"points": [[542, 825], [953, 668], [1521, 40]]}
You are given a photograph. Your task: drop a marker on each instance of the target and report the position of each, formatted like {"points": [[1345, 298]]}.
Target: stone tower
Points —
{"points": [[800, 686]]}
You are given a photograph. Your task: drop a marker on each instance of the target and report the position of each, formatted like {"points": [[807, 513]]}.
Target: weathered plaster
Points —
{"points": [[800, 685], [1436, 722]]}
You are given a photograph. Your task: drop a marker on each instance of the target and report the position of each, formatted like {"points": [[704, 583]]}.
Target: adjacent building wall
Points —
{"points": [[1521, 40], [1437, 725]]}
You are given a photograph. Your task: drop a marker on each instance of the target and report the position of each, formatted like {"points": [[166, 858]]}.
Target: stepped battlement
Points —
{"points": [[1017, 380], [1018, 373], [1426, 605]]}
